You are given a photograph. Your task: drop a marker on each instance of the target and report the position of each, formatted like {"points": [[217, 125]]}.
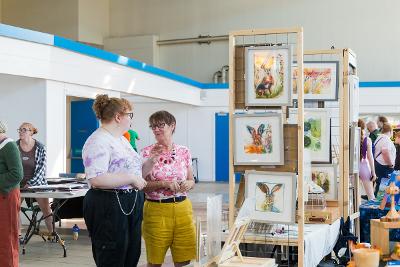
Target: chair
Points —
{"points": [[34, 225]]}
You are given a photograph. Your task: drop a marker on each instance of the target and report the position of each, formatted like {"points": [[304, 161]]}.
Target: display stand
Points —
{"points": [[349, 196], [293, 143]]}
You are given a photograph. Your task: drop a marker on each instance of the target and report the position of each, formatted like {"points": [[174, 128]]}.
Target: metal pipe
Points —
{"points": [[224, 72], [207, 39], [217, 75]]}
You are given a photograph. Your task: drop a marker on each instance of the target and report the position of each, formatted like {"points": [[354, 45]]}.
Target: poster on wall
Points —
{"points": [[325, 176], [317, 133], [354, 96], [321, 80], [275, 196], [268, 76], [258, 139]]}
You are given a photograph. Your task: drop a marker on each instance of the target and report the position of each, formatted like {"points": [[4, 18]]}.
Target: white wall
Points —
{"points": [[370, 28], [93, 20], [23, 100], [58, 17], [142, 48]]}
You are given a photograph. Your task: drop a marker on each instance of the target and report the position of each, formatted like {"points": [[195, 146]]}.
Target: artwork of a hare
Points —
{"points": [[268, 204], [261, 140]]}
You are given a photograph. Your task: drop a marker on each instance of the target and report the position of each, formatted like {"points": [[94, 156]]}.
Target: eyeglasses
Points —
{"points": [[130, 114], [158, 125], [23, 130]]}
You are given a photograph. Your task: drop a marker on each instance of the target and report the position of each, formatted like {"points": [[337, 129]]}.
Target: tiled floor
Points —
{"points": [[46, 254]]}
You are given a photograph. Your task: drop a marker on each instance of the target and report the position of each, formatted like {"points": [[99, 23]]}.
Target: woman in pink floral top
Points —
{"points": [[168, 215]]}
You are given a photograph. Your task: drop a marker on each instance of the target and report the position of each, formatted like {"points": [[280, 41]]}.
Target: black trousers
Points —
{"points": [[381, 171], [116, 238]]}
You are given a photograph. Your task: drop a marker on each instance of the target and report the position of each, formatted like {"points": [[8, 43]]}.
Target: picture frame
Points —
{"points": [[268, 75], [325, 175], [354, 151], [321, 80], [275, 196], [258, 139], [354, 98], [317, 133]]}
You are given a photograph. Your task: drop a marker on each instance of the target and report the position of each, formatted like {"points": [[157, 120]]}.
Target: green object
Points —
{"points": [[11, 172], [374, 135], [134, 135]]}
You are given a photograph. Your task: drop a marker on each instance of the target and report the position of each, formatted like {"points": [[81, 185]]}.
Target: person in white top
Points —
{"points": [[113, 207], [384, 155]]}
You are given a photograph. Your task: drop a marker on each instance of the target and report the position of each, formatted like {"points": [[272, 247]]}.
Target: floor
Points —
{"points": [[46, 254]]}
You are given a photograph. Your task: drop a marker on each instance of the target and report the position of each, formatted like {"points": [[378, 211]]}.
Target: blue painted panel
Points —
{"points": [[25, 34], [215, 86], [380, 84], [222, 147], [83, 124]]}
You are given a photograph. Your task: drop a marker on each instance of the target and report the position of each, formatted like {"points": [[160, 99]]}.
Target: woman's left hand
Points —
{"points": [[186, 185]]}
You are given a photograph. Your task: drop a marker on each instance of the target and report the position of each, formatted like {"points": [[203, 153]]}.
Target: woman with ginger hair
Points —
{"points": [[113, 206]]}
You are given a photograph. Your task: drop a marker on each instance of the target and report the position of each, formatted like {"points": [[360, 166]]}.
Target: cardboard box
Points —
{"points": [[328, 215]]}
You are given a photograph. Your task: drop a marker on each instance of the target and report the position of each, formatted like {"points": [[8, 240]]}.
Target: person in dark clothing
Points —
{"points": [[373, 131], [397, 145]]}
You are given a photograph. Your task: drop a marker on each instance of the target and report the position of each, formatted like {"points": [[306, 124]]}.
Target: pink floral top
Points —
{"points": [[170, 166]]}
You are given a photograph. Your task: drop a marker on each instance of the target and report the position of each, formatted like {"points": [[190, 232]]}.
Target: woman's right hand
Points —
{"points": [[173, 186], [139, 183]]}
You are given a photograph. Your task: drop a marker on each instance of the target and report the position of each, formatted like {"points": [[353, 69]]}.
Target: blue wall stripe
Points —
{"points": [[25, 34], [108, 56], [49, 39], [380, 84]]}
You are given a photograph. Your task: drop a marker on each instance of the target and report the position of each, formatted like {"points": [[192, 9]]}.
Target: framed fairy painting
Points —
{"points": [[325, 175], [268, 76], [258, 139], [321, 80], [275, 196]]}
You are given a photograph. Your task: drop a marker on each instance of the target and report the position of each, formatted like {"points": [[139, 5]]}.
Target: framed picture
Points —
{"points": [[325, 175], [355, 139], [275, 196], [317, 133], [321, 80], [258, 139], [268, 76], [354, 98]]}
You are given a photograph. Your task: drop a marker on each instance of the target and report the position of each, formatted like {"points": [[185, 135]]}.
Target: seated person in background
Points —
{"points": [[384, 155], [33, 155]]}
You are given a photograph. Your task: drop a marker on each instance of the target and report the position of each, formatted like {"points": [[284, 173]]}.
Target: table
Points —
{"points": [[34, 221], [319, 240], [380, 234], [370, 210]]}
